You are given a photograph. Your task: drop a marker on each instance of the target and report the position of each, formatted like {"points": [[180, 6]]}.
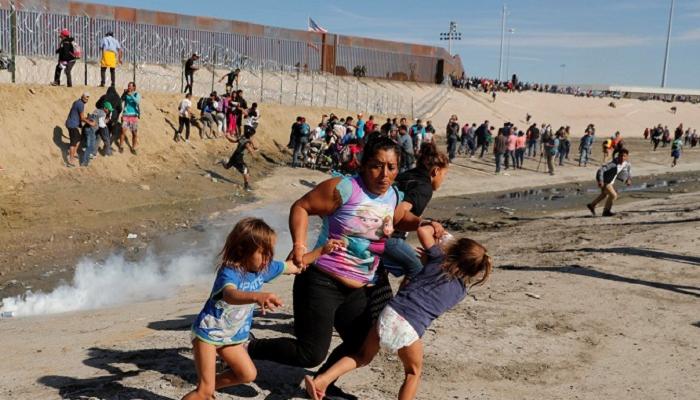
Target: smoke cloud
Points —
{"points": [[117, 280]]}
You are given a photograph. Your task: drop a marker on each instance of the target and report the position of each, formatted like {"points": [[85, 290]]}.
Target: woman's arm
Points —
{"points": [[323, 200], [405, 220], [310, 257]]}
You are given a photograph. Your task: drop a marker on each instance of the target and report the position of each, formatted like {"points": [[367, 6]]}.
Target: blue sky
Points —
{"points": [[599, 41]]}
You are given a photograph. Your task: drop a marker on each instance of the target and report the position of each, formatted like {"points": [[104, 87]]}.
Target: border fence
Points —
{"points": [[320, 67]]}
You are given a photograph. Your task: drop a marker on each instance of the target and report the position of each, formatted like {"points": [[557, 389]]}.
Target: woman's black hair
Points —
{"points": [[377, 143]]}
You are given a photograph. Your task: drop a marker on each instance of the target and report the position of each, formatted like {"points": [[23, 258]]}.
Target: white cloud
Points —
{"points": [[692, 35], [570, 40]]}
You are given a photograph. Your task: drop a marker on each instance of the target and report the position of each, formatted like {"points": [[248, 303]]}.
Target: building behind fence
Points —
{"points": [[277, 62]]}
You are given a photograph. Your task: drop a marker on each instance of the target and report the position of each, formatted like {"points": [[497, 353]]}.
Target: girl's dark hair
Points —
{"points": [[249, 235], [376, 144], [430, 157], [465, 259]]}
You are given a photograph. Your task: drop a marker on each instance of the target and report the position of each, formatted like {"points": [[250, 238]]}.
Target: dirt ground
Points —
{"points": [[578, 307]]}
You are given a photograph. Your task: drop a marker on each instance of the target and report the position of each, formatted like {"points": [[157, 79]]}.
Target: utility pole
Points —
{"points": [[668, 45], [503, 36]]}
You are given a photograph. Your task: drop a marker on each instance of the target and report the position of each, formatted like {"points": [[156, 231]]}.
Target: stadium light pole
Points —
{"points": [[451, 35], [510, 36], [503, 36], [668, 45]]}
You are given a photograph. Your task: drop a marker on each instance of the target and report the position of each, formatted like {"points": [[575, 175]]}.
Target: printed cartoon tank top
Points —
{"points": [[363, 222]]}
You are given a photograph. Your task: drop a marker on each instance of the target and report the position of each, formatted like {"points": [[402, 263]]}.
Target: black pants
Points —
{"points": [[67, 70], [320, 304], [189, 81], [484, 149], [103, 71], [183, 121]]}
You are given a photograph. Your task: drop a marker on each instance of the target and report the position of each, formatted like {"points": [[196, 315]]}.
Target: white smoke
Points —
{"points": [[116, 280]]}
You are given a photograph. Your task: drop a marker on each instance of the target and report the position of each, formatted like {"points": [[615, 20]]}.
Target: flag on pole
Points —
{"points": [[314, 27]]}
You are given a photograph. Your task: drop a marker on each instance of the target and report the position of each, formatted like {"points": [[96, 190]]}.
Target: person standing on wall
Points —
{"points": [[190, 69], [111, 57], [66, 58]]}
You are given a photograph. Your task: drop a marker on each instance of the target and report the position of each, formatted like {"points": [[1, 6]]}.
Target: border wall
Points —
{"points": [[151, 37]]}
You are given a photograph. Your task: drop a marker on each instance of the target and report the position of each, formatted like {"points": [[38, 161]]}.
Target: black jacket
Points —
{"points": [[65, 50], [113, 98]]}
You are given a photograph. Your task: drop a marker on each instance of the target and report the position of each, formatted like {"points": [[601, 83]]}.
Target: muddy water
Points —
{"points": [[497, 209]]}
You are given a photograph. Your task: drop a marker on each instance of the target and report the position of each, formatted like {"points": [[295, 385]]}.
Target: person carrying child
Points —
{"points": [[450, 270], [223, 326]]}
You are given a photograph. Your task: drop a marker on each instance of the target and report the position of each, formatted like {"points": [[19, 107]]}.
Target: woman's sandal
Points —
{"points": [[311, 390]]}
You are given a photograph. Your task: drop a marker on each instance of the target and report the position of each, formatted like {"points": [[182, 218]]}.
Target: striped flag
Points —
{"points": [[314, 27]]}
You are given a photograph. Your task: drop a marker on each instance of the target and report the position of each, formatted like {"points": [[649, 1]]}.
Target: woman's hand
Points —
{"points": [[268, 301], [298, 256], [438, 228], [333, 245]]}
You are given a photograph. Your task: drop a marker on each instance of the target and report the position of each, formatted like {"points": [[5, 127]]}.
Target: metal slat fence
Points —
{"points": [[276, 69]]}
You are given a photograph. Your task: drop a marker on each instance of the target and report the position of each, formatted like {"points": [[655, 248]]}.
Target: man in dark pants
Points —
{"points": [[190, 69], [66, 59], [481, 138], [240, 111], [76, 118], [452, 137], [111, 57]]}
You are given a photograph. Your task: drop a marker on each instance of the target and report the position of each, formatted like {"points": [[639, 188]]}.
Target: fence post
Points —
{"points": [[325, 93], [86, 38], [182, 71], [347, 96], [337, 91], [213, 70], [412, 108], [262, 83], [357, 93], [133, 57], [312, 88], [296, 88], [281, 84], [13, 39]]}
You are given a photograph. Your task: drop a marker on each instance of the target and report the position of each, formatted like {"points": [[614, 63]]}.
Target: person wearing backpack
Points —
{"points": [[68, 52]]}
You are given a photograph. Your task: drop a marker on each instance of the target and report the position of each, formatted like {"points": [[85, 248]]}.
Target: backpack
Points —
{"points": [[77, 50], [200, 103]]}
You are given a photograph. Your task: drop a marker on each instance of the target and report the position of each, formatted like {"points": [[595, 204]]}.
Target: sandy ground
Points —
{"points": [[578, 307]]}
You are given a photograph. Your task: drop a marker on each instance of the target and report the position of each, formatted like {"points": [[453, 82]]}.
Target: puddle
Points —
{"points": [[481, 211]]}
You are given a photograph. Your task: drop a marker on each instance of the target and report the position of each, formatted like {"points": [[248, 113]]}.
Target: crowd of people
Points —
{"points": [[681, 138], [113, 118]]}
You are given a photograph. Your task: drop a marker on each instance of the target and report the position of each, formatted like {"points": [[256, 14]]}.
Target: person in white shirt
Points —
{"points": [[112, 54], [619, 168], [252, 117], [184, 119]]}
